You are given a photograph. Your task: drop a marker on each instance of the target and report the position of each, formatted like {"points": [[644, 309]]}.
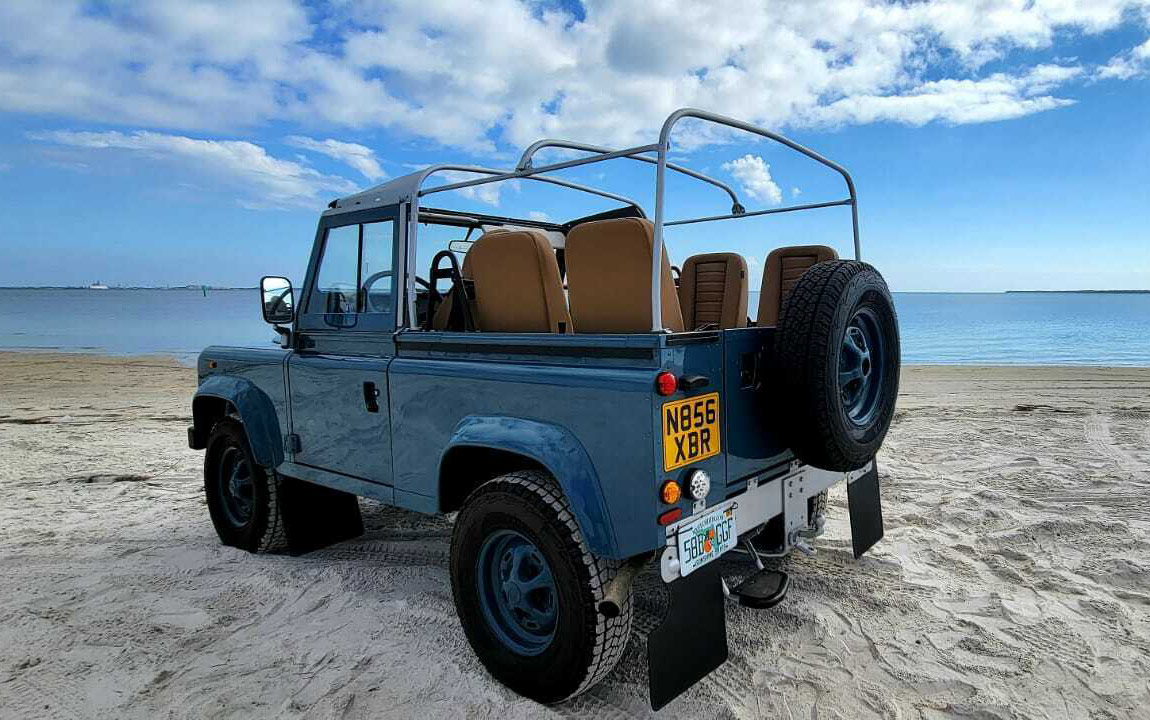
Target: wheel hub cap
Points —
{"points": [[860, 367], [517, 593], [235, 484]]}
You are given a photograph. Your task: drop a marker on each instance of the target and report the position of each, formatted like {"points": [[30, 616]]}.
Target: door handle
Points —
{"points": [[371, 397], [693, 382]]}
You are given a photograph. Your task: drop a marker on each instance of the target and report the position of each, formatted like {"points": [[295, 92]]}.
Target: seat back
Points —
{"points": [[784, 268], [713, 291], [609, 277], [517, 285]]}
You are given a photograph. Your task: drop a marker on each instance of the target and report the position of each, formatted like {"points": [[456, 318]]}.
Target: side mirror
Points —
{"points": [[278, 301], [460, 246]]}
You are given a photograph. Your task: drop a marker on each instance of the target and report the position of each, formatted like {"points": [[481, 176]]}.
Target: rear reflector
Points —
{"points": [[670, 516], [666, 383]]}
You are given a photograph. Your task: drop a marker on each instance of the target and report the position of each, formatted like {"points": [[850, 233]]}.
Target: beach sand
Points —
{"points": [[1014, 579]]}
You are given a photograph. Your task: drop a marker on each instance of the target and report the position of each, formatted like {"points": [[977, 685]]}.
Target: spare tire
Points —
{"points": [[837, 352]]}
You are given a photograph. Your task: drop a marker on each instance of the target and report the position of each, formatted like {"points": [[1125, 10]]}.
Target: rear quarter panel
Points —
{"points": [[606, 408]]}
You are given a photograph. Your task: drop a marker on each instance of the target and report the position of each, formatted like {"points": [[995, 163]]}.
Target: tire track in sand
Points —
{"points": [[1099, 437]]}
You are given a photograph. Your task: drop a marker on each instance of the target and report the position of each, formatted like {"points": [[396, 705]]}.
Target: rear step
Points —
{"points": [[764, 589]]}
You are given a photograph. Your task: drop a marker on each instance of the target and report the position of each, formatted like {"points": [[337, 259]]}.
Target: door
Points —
{"points": [[338, 373]]}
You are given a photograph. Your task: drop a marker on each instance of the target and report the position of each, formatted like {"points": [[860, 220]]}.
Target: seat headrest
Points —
{"points": [[517, 284], [713, 291], [609, 277], [785, 266]]}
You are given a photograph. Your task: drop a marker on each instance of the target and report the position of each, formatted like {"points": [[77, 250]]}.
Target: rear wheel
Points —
{"points": [[527, 590], [243, 498], [838, 351]]}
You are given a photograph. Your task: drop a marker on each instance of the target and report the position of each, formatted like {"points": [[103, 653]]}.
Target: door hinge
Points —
{"points": [[291, 443]]}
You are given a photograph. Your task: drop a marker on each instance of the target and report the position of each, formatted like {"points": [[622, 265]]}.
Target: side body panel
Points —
{"points": [[568, 407]]}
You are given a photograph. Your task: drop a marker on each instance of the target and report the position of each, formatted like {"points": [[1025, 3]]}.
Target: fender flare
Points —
{"points": [[557, 450], [256, 411]]}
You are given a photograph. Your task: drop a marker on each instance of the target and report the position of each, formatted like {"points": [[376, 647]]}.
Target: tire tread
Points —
{"points": [[611, 634], [804, 353]]}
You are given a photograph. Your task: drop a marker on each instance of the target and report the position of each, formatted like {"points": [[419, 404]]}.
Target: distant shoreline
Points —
{"points": [[1081, 292]]}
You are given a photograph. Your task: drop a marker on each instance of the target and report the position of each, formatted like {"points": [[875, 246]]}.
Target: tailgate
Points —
{"points": [[752, 441]]}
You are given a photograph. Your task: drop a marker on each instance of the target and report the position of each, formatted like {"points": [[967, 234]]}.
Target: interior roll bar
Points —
{"points": [[663, 147], [525, 162], [526, 169]]}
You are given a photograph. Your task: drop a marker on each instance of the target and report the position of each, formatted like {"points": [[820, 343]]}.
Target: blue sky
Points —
{"points": [[995, 144]]}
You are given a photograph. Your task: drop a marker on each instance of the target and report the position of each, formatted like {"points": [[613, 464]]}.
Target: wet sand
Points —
{"points": [[1014, 579]]}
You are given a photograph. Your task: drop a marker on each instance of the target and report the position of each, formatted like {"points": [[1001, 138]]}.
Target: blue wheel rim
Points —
{"points": [[862, 368], [517, 592], [234, 481]]}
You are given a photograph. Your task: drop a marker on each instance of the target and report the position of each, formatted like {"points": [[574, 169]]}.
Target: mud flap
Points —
{"points": [[691, 642], [865, 510], [315, 516]]}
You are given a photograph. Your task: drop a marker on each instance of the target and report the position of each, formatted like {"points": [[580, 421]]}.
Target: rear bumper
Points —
{"points": [[691, 642], [786, 495]]}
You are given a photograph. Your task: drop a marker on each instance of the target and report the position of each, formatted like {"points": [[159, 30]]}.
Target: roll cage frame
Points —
{"points": [[525, 169]]}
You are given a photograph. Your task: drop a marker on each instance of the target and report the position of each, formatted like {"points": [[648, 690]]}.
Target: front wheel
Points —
{"points": [[527, 590], [243, 498]]}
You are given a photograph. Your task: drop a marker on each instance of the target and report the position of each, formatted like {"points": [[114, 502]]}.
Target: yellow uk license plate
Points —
{"points": [[690, 430]]}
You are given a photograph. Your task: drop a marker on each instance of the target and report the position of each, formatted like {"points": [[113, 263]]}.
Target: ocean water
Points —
{"points": [[950, 328]]}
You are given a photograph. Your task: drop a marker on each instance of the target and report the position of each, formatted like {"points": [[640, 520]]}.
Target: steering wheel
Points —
{"points": [[372, 279], [366, 289]]}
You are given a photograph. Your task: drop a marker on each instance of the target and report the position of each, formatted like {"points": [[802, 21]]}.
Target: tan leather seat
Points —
{"points": [[517, 285], [784, 268], [609, 278], [713, 291]]}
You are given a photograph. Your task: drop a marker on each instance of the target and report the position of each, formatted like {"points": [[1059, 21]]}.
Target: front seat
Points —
{"points": [[784, 268], [517, 285], [609, 278], [713, 291]]}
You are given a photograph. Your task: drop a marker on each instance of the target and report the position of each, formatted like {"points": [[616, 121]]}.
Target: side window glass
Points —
{"points": [[335, 287], [375, 270]]}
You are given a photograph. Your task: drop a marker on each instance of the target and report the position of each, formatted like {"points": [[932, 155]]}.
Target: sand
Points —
{"points": [[1014, 579]]}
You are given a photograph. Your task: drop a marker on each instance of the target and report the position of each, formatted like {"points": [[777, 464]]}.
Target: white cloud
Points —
{"points": [[360, 157], [795, 192], [260, 179], [484, 75], [540, 216], [1131, 64], [755, 177], [998, 97]]}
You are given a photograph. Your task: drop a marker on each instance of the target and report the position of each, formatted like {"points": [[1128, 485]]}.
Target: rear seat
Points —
{"points": [[713, 291], [784, 268], [609, 278], [517, 285]]}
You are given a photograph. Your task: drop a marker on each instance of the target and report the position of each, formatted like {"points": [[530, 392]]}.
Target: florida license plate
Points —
{"points": [[706, 538], [690, 430]]}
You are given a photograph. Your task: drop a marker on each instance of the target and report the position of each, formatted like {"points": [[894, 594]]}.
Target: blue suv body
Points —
{"points": [[575, 459]]}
